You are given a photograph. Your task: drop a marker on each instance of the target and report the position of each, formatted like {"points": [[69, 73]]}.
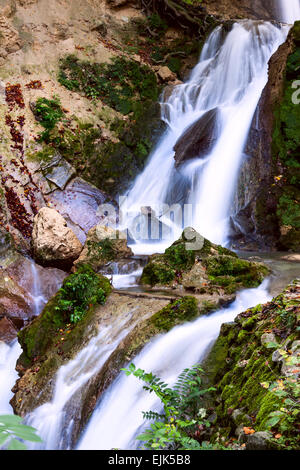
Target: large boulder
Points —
{"points": [[54, 243], [202, 267], [103, 244], [8, 330], [80, 204], [198, 139]]}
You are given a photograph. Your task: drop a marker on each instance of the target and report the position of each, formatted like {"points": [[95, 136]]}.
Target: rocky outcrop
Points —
{"points": [[54, 243], [24, 288], [82, 205], [201, 267], [266, 200], [8, 331], [198, 139], [235, 9], [103, 244], [255, 365]]}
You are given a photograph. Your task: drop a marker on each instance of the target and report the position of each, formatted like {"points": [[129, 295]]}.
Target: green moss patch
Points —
{"points": [[119, 84], [233, 273], [49, 113], [66, 315], [242, 368], [222, 267]]}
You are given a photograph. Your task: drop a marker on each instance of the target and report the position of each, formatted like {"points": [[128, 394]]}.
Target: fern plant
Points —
{"points": [[176, 426], [13, 432]]}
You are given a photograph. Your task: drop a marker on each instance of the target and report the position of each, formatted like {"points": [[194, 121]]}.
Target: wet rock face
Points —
{"points": [[24, 288], [80, 204], [58, 171], [103, 244], [245, 362], [266, 205], [233, 9], [54, 243], [8, 331], [198, 139], [15, 301]]}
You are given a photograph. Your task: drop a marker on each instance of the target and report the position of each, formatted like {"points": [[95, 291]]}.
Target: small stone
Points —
{"points": [[259, 441], [268, 338], [277, 356], [165, 74]]}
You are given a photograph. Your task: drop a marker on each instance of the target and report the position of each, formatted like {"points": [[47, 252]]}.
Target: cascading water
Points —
{"points": [[38, 299], [8, 375], [289, 11], [115, 422], [230, 77], [50, 418]]}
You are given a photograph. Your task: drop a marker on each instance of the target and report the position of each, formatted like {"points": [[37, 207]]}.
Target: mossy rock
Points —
{"points": [[221, 267], [240, 366], [175, 313], [53, 323]]}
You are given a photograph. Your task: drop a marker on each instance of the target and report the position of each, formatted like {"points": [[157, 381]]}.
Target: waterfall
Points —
{"points": [[289, 11], [55, 419], [50, 418], [8, 375], [118, 418], [229, 78], [39, 300]]}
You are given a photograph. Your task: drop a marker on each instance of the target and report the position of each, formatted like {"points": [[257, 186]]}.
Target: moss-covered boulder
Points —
{"points": [[204, 269], [255, 365], [103, 244], [61, 323]]}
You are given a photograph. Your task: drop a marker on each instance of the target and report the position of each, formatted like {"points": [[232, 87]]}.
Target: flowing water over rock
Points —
{"points": [[50, 418], [289, 10], [8, 375], [118, 418], [229, 77]]}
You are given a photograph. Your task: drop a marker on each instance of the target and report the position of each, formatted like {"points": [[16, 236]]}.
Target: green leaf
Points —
{"points": [[16, 445]]}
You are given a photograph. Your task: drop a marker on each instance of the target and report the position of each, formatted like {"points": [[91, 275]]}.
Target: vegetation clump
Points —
{"points": [[286, 152], [69, 310], [48, 113], [79, 292], [177, 426], [254, 365], [120, 84], [13, 433]]}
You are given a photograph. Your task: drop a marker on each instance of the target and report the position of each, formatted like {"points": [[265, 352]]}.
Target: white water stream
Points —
{"points": [[230, 76], [118, 417], [289, 10], [54, 420]]}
